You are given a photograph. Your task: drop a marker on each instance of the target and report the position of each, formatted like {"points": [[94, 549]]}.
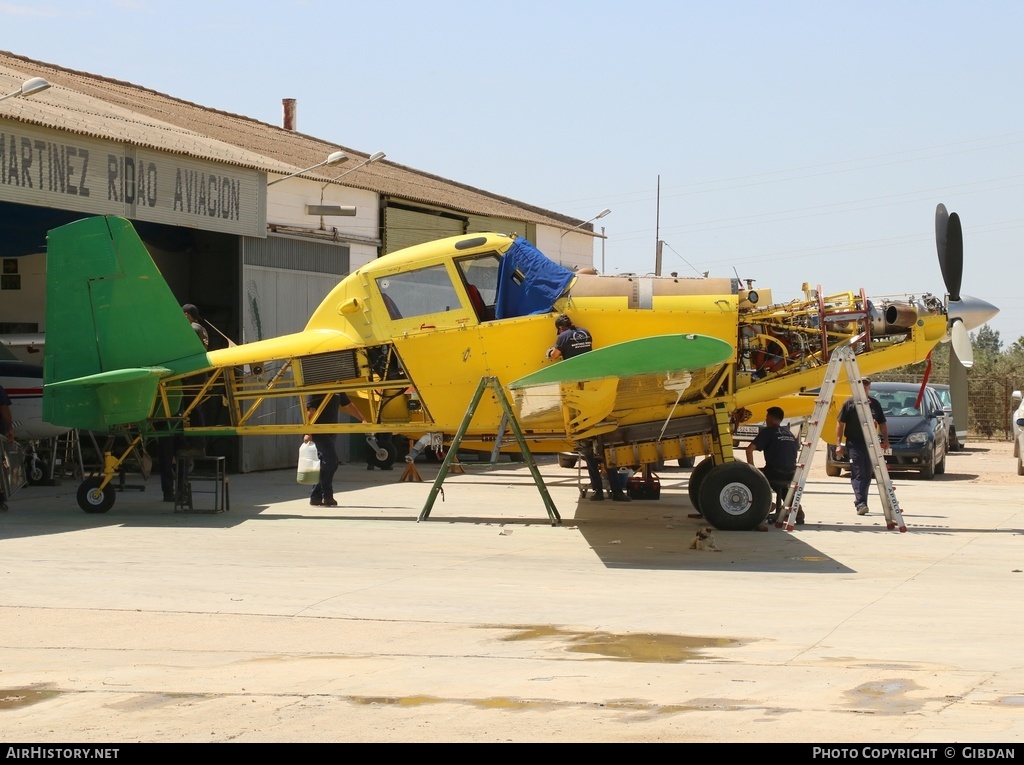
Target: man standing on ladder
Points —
{"points": [[849, 427]]}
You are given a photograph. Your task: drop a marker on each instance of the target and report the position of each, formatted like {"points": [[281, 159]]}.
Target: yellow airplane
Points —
{"points": [[411, 335]]}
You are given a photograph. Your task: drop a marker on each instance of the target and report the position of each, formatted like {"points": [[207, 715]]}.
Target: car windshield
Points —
{"points": [[898, 404]]}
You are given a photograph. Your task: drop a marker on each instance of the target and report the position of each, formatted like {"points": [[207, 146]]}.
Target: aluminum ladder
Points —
{"points": [[842, 359]]}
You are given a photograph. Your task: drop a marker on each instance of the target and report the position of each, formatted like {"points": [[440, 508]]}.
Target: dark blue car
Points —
{"points": [[918, 436]]}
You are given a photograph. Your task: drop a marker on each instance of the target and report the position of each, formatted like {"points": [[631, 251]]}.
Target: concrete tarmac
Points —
{"points": [[278, 621]]}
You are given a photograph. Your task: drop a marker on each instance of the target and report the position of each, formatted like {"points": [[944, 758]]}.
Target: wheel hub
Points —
{"points": [[736, 498]]}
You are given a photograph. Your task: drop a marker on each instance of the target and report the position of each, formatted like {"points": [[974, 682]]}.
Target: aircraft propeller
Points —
{"points": [[963, 312]]}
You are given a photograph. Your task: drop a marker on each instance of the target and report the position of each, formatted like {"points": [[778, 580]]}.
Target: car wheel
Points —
{"points": [[941, 467], [93, 501], [735, 496], [696, 479], [928, 471]]}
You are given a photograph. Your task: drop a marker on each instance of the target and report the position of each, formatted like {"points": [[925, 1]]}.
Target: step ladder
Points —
{"points": [[842, 359]]}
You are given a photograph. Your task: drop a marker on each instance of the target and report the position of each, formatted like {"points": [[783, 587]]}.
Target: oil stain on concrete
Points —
{"points": [[888, 697], [648, 647], [17, 698]]}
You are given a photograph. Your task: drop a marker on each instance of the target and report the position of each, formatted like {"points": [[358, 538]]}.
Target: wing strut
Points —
{"points": [[499, 393]]}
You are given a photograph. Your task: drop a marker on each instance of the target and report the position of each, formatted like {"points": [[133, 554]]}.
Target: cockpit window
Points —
{"points": [[418, 293], [482, 273]]}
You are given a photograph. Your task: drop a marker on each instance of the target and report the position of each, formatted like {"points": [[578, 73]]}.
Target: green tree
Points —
{"points": [[986, 340]]}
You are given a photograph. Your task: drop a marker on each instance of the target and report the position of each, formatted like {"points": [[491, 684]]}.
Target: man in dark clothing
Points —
{"points": [[848, 426], [326, 443], [177, 446], [780, 449], [6, 433], [572, 341]]}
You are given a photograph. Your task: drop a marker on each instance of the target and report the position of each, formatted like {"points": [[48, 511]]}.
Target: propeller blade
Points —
{"points": [[962, 343], [949, 242], [958, 393]]}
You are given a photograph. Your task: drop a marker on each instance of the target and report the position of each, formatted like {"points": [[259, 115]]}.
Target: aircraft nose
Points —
{"points": [[972, 311]]}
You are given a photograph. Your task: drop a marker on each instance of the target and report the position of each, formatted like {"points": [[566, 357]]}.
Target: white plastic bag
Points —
{"points": [[309, 464]]}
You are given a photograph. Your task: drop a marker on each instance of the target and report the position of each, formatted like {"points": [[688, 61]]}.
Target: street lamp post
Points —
{"points": [[28, 88], [600, 215], [334, 158], [322, 209]]}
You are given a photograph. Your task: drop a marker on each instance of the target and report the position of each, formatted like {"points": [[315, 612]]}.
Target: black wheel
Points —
{"points": [[92, 501], [36, 471], [696, 479], [832, 471], [954, 442], [928, 471], [686, 462], [735, 496], [941, 467], [373, 461]]}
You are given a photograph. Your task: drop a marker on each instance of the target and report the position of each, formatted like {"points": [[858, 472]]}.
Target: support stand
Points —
{"points": [[513, 423]]}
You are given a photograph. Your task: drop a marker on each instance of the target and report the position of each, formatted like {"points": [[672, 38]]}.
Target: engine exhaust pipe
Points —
{"points": [[892, 318]]}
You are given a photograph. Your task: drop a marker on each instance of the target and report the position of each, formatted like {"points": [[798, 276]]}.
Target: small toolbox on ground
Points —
{"points": [[644, 485]]}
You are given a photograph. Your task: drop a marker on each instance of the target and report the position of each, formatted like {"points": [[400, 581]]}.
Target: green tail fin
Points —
{"points": [[109, 310]]}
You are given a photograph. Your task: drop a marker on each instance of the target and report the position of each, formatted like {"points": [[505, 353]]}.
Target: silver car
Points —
{"points": [[1017, 420]]}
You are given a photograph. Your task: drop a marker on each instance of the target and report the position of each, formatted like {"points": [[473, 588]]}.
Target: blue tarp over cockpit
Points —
{"points": [[528, 282]]}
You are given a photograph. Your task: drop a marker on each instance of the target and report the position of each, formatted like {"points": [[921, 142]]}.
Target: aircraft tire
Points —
{"points": [[833, 472], [387, 462], [686, 462], [735, 496], [36, 471], [89, 501], [696, 479]]}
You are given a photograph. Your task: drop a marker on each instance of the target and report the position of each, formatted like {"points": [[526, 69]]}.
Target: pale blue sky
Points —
{"points": [[796, 141]]}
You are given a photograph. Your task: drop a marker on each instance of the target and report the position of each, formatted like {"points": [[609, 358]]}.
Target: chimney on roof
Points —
{"points": [[288, 105]]}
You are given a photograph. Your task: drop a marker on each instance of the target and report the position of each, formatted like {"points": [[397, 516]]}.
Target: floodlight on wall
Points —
{"points": [[331, 210], [604, 212], [335, 158], [28, 88]]}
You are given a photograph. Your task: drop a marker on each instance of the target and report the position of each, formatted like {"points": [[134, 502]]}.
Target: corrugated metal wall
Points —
{"points": [[404, 227], [284, 280]]}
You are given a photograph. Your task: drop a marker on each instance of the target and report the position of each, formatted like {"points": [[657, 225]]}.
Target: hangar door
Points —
{"points": [[405, 226], [284, 279]]}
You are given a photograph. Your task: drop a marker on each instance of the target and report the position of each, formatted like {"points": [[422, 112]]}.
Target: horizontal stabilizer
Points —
{"points": [[645, 356], [99, 401]]}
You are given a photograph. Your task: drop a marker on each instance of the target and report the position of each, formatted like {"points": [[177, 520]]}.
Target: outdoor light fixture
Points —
{"points": [[344, 210], [335, 158], [331, 210], [600, 215], [28, 88], [377, 155]]}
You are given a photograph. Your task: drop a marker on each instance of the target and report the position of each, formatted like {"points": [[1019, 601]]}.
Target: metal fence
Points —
{"points": [[988, 398]]}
